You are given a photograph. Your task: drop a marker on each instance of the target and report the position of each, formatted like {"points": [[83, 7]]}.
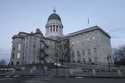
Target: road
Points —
{"points": [[61, 80]]}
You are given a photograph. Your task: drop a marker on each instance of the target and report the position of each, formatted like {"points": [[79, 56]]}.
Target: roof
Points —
{"points": [[54, 16], [88, 30], [24, 34]]}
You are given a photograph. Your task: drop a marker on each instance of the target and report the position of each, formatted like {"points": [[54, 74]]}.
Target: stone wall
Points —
{"points": [[90, 47]]}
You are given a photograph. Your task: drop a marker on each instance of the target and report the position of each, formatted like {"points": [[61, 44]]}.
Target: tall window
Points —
{"points": [[79, 56], [13, 48], [89, 52], [73, 56], [95, 50], [19, 47], [13, 55], [95, 54], [84, 61], [18, 55], [83, 52], [34, 46], [90, 60]]}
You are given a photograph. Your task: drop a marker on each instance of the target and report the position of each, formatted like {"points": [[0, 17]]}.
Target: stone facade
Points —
{"points": [[88, 46], [91, 45]]}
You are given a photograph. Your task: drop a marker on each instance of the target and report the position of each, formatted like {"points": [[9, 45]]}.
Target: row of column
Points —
{"points": [[54, 28]]}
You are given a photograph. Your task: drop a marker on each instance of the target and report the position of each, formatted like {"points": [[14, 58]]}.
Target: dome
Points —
{"points": [[38, 32], [54, 16]]}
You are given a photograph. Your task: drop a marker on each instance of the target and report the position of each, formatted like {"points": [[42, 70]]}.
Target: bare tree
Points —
{"points": [[119, 55], [2, 62]]}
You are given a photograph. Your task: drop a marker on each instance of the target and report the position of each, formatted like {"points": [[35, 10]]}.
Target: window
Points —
{"points": [[19, 47], [18, 55], [13, 55], [89, 52], [94, 50], [79, 56], [34, 46], [93, 37], [90, 60], [78, 61], [17, 63], [13, 48], [53, 29], [73, 61], [84, 61], [78, 53], [72, 54], [83, 52], [95, 54]]}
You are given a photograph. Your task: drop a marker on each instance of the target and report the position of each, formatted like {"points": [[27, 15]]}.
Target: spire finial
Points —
{"points": [[54, 10]]}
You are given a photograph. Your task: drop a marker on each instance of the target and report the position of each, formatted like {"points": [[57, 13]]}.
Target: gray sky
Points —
{"points": [[27, 15]]}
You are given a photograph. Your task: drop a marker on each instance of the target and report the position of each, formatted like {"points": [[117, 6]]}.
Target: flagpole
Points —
{"points": [[88, 21]]}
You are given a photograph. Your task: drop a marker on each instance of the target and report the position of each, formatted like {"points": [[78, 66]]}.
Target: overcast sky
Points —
{"points": [[27, 15]]}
